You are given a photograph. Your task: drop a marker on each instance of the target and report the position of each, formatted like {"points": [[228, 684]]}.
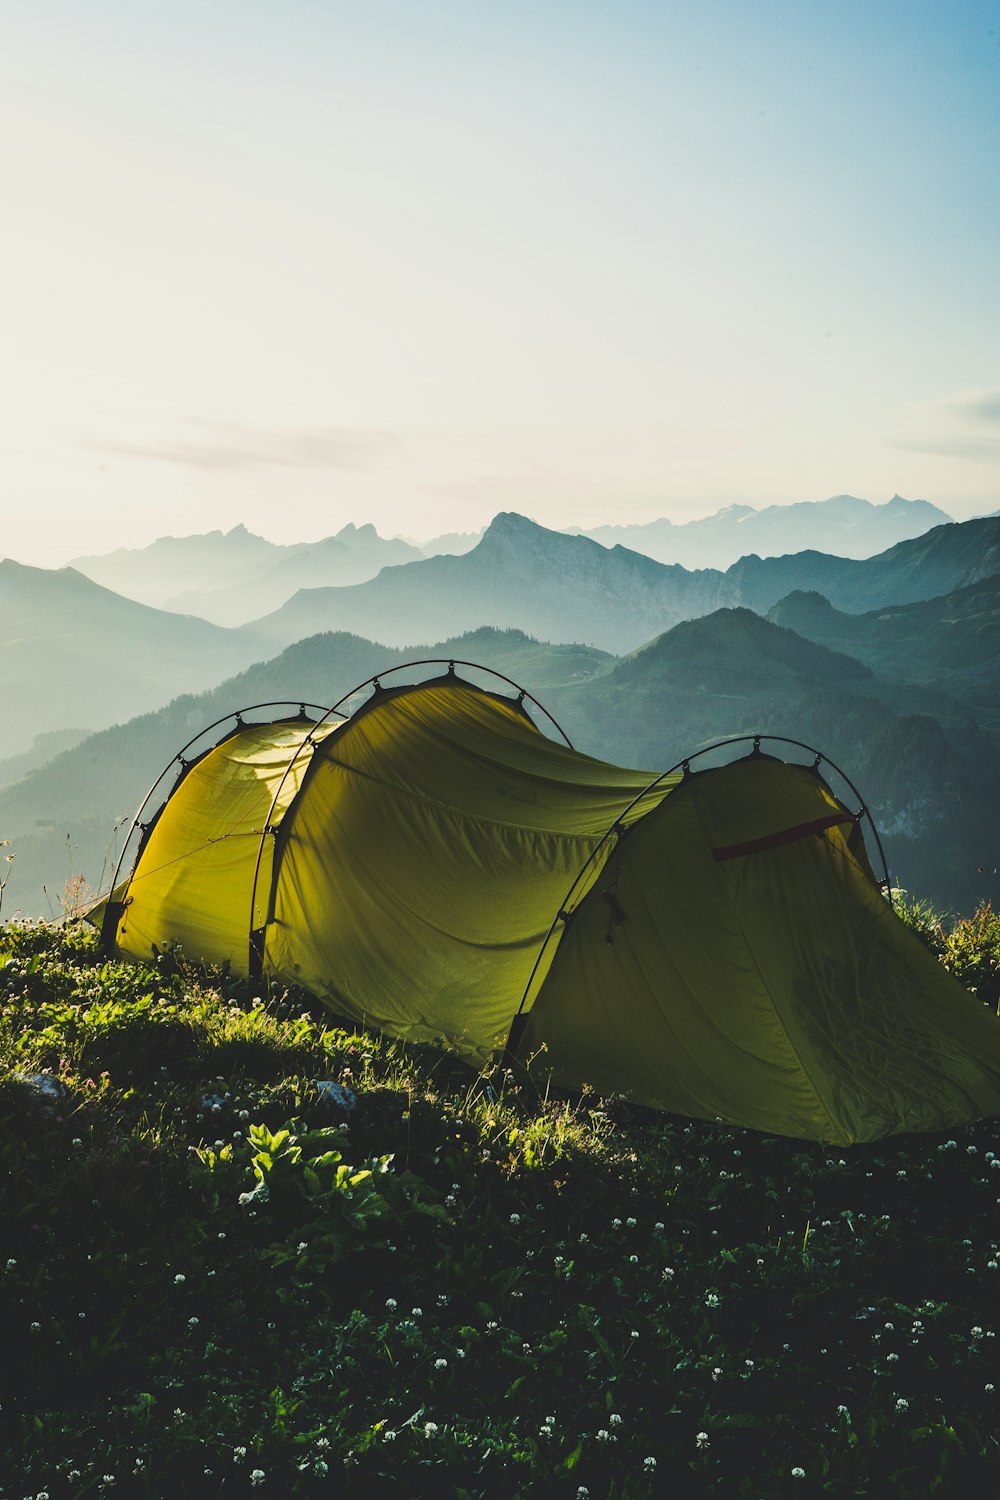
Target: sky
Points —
{"points": [[294, 265]]}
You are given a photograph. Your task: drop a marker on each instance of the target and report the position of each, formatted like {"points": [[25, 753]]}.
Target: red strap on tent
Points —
{"points": [[786, 836]]}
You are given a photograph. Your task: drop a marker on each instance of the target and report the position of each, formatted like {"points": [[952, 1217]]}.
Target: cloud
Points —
{"points": [[963, 425], [229, 447]]}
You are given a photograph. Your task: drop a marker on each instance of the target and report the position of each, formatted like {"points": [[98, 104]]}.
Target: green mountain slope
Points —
{"points": [[952, 641]]}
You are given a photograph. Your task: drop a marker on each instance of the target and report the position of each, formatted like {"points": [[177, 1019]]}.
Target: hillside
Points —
{"points": [[74, 653], [952, 641], [451, 1284], [843, 525]]}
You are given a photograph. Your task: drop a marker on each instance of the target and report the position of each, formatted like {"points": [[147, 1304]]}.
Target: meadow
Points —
{"points": [[244, 1251]]}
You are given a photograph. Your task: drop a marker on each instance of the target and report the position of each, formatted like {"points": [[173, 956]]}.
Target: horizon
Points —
{"points": [[424, 540], [596, 264]]}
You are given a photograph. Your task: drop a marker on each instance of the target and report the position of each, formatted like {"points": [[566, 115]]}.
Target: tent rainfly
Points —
{"points": [[712, 943]]}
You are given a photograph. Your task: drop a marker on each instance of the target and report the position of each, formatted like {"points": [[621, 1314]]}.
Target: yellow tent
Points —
{"points": [[710, 942]]}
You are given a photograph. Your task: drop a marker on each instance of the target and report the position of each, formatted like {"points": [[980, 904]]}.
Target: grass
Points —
{"points": [[215, 1279]]}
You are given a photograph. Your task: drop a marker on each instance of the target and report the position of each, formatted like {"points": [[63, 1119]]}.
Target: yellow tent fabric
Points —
{"points": [[713, 944]]}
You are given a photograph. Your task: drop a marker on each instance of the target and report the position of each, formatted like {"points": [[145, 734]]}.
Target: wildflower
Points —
{"points": [[11, 1264], [391, 1303], [515, 1218], [582, 1492], [388, 1435], [193, 1322], [602, 1435], [711, 1300], [256, 1476], [701, 1440], [239, 1453], [303, 1245], [658, 1229], [416, 1312], [179, 1280], [902, 1404], [633, 1260], [976, 1332], [989, 1386], [615, 1419], [649, 1464], [630, 1223], [716, 1373], [798, 1473], [430, 1429], [668, 1273], [616, 1223], [634, 1334], [440, 1364]]}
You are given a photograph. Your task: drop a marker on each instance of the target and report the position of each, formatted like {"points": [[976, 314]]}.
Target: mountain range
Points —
{"points": [[889, 664], [233, 577], [843, 525], [559, 587]]}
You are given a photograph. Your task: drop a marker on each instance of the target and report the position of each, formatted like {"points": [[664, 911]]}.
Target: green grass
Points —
{"points": [[213, 1284]]}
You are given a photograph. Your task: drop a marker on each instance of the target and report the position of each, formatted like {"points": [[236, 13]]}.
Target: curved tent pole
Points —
{"points": [[183, 767], [255, 967], [375, 682], [618, 831]]}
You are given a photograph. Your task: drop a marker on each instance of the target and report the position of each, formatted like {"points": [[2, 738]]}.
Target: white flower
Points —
{"points": [[615, 1419], [649, 1464], [440, 1364], [430, 1429], [902, 1404], [602, 1435], [256, 1476], [711, 1300], [668, 1273], [193, 1322], [658, 1228], [179, 1280], [388, 1436], [701, 1439], [515, 1218], [634, 1334], [391, 1304], [798, 1473], [416, 1312], [633, 1260], [630, 1223]]}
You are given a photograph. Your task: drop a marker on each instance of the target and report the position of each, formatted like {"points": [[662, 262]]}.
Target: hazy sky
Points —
{"points": [[416, 261]]}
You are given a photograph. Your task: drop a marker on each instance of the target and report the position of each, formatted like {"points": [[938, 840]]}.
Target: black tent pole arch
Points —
{"points": [[113, 910], [618, 830], [255, 959]]}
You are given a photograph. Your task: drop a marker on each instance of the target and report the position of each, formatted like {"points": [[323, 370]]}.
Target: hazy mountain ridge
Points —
{"points": [[557, 587], [843, 525], [354, 555], [75, 653]]}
